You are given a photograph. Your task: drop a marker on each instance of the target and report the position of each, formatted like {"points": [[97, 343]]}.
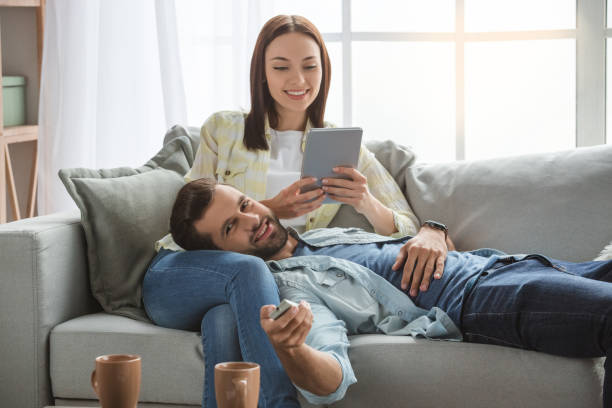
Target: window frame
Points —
{"points": [[590, 34]]}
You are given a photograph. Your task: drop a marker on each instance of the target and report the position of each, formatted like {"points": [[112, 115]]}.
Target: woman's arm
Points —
{"points": [[376, 195], [385, 189]]}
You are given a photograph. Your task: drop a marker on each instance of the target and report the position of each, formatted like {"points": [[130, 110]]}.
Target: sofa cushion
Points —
{"points": [[429, 373], [172, 360], [558, 204], [396, 369], [123, 212]]}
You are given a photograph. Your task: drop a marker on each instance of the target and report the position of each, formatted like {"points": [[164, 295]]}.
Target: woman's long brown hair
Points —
{"points": [[262, 102]]}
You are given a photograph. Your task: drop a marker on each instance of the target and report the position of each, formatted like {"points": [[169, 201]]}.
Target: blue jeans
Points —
{"points": [[542, 304], [191, 290]]}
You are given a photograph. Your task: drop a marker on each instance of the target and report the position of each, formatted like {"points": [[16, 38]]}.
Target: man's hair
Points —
{"points": [[191, 202]]}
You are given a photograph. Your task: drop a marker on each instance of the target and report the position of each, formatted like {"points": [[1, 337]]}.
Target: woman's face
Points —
{"points": [[293, 72]]}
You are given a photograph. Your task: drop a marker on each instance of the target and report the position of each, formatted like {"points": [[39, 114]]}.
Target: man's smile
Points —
{"points": [[264, 231]]}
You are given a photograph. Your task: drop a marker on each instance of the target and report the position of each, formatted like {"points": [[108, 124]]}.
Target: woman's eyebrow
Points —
{"points": [[286, 59]]}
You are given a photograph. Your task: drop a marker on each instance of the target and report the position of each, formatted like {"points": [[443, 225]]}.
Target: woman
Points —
{"points": [[260, 153]]}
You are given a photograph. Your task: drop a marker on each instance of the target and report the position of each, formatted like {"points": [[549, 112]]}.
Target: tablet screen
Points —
{"points": [[327, 148]]}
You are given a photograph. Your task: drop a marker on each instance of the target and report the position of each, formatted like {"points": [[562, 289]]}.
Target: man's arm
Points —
{"points": [[312, 370]]}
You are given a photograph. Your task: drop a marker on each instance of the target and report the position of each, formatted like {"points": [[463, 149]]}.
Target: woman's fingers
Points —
{"points": [[308, 196], [354, 174], [344, 192], [297, 185]]}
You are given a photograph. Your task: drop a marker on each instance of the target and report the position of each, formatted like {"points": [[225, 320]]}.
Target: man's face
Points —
{"points": [[238, 223]]}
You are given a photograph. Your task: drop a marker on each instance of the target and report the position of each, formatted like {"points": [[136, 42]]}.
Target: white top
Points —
{"points": [[285, 168]]}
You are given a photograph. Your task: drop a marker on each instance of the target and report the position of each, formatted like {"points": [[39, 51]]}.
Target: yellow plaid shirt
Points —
{"points": [[222, 155]]}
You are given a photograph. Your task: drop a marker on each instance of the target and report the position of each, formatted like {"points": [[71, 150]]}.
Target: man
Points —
{"points": [[349, 281]]}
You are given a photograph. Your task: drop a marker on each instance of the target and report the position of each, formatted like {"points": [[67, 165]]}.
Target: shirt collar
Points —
{"points": [[269, 135]]}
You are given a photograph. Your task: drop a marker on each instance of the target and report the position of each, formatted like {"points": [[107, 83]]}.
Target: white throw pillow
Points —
{"points": [[606, 253]]}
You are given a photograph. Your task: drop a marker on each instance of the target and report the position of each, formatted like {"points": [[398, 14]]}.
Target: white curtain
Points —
{"points": [[216, 40], [111, 85]]}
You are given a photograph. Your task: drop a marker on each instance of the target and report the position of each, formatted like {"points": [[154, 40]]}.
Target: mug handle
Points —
{"points": [[94, 382], [240, 384]]}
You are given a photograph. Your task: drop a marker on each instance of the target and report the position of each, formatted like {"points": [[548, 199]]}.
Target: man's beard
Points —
{"points": [[276, 243]]}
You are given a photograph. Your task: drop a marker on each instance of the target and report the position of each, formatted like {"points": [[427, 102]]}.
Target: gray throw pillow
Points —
{"points": [[123, 212]]}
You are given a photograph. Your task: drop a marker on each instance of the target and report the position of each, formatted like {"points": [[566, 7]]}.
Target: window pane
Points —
{"points": [[325, 14], [405, 92], [515, 15], [333, 108], [520, 97], [403, 15]]}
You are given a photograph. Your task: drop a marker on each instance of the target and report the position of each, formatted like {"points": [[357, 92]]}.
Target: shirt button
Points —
{"points": [[373, 292], [400, 313], [339, 275], [227, 172]]}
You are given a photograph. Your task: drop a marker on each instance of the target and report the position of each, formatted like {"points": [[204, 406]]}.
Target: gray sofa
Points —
{"points": [[559, 204]]}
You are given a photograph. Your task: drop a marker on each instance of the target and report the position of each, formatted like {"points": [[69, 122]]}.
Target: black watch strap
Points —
{"points": [[437, 225]]}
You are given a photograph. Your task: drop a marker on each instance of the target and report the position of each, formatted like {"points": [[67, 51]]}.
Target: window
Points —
{"points": [[454, 79]]}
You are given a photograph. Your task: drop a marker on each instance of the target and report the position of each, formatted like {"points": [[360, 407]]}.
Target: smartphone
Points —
{"points": [[282, 308]]}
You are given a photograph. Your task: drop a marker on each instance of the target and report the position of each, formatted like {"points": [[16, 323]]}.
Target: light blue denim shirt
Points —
{"points": [[347, 298]]}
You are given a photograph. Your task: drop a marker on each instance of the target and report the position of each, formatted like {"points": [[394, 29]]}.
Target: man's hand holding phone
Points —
{"points": [[286, 325]]}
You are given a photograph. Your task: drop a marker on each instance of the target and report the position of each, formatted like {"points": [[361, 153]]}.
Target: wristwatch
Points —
{"points": [[438, 226]]}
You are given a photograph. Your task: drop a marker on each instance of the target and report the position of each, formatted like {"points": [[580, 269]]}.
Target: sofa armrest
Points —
{"points": [[43, 282]]}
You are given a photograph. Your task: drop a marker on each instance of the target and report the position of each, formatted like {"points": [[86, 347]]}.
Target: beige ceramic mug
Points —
{"points": [[116, 380], [237, 385]]}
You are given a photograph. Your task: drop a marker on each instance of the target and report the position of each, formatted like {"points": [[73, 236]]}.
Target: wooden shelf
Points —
{"points": [[18, 134], [19, 3]]}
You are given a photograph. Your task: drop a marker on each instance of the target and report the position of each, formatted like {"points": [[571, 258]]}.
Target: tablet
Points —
{"points": [[327, 148]]}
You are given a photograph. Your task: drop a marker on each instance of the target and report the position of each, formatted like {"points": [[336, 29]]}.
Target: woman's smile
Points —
{"points": [[297, 94]]}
